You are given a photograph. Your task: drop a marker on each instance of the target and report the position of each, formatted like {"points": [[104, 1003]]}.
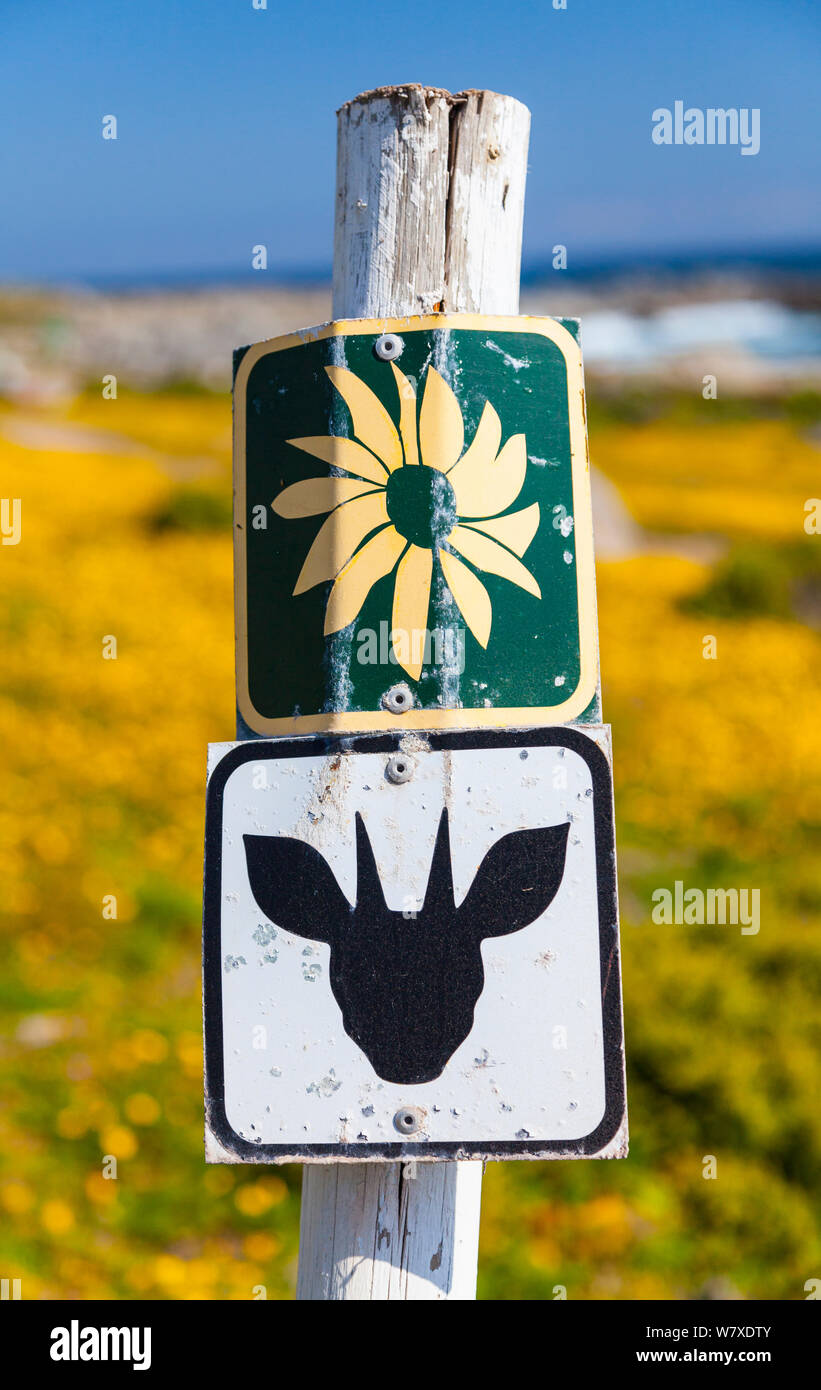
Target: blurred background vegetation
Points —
{"points": [[700, 509]]}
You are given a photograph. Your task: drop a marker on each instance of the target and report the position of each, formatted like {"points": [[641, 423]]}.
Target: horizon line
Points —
{"points": [[795, 258]]}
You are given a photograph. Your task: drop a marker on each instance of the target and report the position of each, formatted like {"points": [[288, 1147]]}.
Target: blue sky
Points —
{"points": [[227, 129]]}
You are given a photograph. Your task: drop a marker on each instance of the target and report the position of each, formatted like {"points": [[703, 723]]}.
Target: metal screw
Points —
{"points": [[398, 699], [388, 347], [399, 768], [409, 1119]]}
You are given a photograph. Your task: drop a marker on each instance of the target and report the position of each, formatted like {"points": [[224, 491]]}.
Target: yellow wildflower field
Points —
{"points": [[126, 539]]}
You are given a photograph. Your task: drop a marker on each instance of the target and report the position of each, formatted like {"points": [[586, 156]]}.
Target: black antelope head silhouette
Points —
{"points": [[407, 985]]}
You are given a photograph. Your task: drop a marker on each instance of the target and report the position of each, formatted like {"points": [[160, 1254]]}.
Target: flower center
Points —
{"points": [[421, 504]]}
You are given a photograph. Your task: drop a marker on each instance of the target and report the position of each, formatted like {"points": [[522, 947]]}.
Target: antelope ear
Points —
{"points": [[515, 882], [295, 887]]}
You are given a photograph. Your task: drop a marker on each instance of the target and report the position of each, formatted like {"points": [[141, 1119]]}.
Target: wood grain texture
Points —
{"points": [[430, 195], [385, 1231], [486, 198], [391, 191], [429, 202]]}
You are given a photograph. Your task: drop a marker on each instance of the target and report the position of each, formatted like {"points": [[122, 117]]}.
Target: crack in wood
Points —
{"points": [[434, 223]]}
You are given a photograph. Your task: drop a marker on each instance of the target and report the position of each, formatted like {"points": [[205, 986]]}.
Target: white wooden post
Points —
{"points": [[429, 205]]}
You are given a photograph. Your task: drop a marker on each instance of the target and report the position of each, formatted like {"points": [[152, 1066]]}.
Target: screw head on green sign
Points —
{"points": [[413, 527]]}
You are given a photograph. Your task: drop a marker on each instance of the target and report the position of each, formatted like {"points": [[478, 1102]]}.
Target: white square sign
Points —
{"points": [[411, 948]]}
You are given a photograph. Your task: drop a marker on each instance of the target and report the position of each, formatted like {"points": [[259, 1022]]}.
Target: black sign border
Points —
{"points": [[260, 750]]}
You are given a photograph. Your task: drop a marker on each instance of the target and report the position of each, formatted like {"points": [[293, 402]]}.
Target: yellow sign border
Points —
{"points": [[363, 721]]}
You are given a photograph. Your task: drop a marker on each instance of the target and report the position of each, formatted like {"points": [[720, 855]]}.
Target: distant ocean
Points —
{"points": [[787, 265]]}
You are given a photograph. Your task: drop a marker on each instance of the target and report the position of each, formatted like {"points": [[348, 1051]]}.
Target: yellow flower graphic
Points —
{"points": [[406, 495]]}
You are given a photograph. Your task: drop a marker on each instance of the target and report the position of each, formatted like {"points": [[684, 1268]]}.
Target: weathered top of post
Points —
{"points": [[412, 91], [400, 92], [430, 201]]}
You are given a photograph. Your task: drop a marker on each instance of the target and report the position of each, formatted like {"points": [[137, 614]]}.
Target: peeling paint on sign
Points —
{"points": [[447, 980], [423, 520]]}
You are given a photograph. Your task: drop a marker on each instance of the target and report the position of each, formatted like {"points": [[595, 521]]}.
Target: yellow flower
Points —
{"points": [[56, 1217], [148, 1046], [119, 1141], [261, 1246], [254, 1198], [169, 1271], [142, 1109], [72, 1123], [99, 1189], [17, 1197], [407, 496]]}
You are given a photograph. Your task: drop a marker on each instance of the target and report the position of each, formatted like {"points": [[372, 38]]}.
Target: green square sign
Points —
{"points": [[413, 527]]}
